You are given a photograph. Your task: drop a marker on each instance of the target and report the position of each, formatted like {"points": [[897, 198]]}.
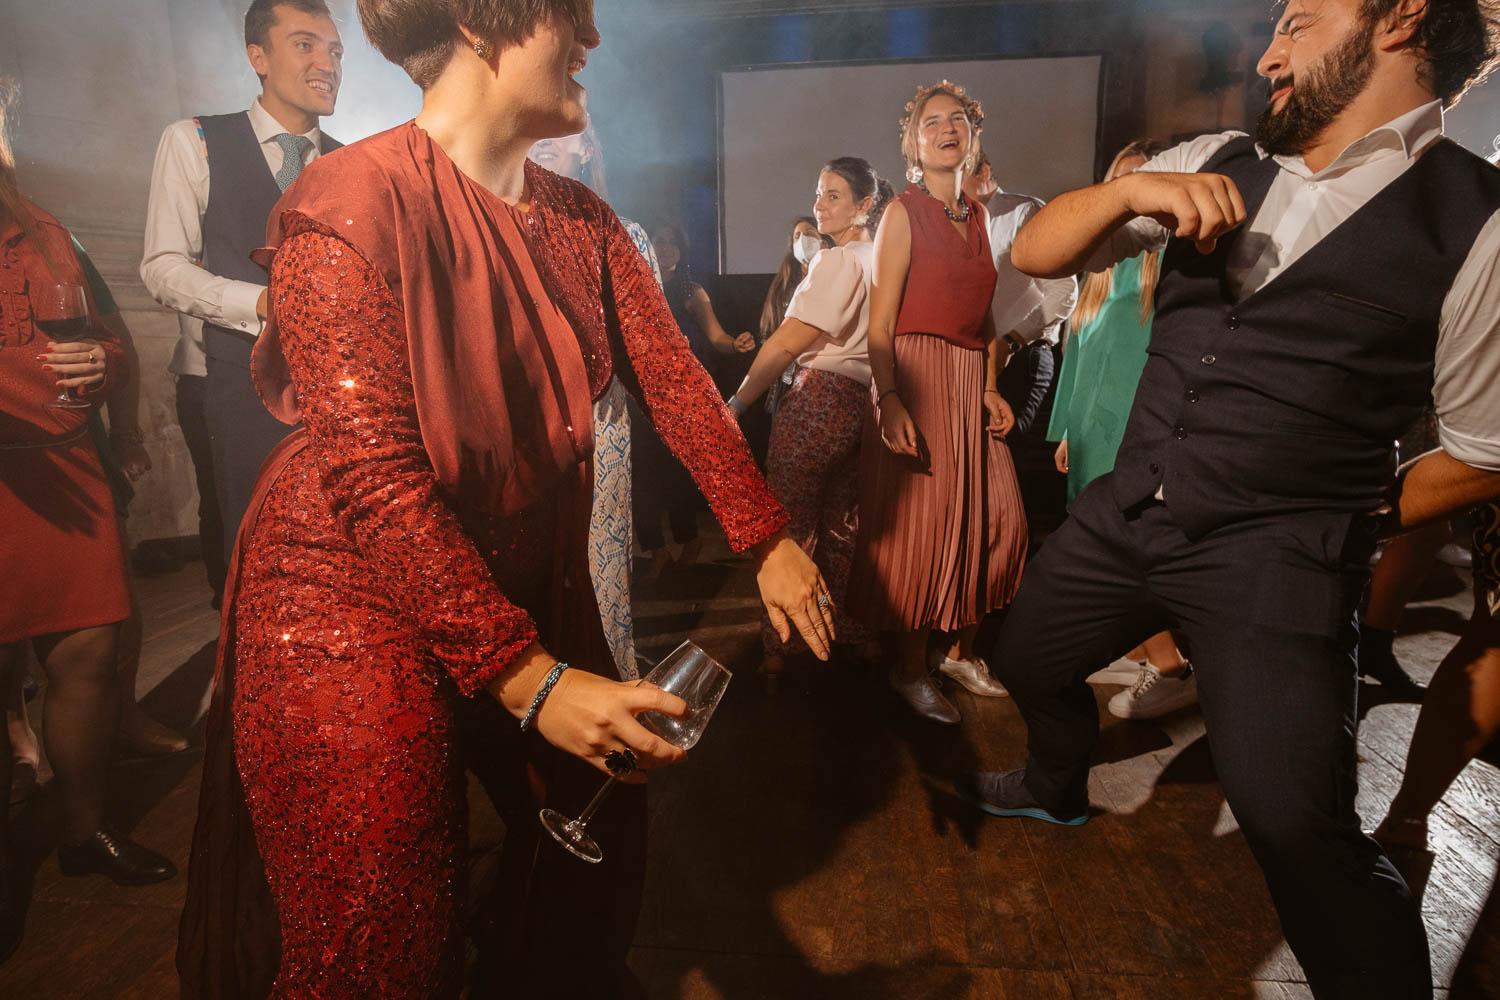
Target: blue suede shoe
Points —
{"points": [[1003, 793]]}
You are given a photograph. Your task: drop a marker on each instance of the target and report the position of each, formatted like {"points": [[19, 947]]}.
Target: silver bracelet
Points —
{"points": [[541, 695]]}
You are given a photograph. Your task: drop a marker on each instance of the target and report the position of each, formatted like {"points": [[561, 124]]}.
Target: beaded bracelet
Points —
{"points": [[541, 695], [881, 398]]}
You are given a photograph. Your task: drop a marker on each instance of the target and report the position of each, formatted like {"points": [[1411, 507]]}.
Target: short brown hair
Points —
{"points": [[910, 123], [1458, 39], [420, 35], [261, 17]]}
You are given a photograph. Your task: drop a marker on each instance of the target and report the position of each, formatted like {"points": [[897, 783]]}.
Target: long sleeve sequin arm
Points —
{"points": [[344, 338], [680, 398]]}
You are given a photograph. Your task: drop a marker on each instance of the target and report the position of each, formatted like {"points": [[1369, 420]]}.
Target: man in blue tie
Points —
{"points": [[216, 180]]}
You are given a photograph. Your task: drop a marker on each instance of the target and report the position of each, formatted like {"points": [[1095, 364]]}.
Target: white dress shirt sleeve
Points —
{"points": [[1058, 295], [1145, 235], [171, 266], [1466, 376]]}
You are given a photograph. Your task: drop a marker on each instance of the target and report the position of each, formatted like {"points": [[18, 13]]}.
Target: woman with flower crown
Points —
{"points": [[942, 531]]}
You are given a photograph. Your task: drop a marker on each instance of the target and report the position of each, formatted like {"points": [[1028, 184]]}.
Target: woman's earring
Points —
{"points": [[862, 219], [914, 173], [483, 48]]}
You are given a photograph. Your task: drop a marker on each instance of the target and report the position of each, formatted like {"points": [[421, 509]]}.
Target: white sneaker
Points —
{"points": [[1456, 555], [1121, 671], [1154, 694]]}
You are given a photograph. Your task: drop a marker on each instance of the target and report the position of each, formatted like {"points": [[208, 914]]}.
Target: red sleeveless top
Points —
{"points": [[951, 279]]}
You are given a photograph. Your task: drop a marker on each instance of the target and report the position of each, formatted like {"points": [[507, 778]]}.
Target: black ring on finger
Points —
{"points": [[620, 762]]}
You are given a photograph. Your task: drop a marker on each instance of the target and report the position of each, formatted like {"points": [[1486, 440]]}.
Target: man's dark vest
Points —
{"points": [[242, 191], [1291, 400]]}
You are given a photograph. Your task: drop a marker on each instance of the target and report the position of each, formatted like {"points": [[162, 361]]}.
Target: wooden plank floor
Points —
{"points": [[812, 846]]}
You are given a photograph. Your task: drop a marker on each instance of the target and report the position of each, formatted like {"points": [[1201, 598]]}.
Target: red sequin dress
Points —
{"points": [[365, 595]]}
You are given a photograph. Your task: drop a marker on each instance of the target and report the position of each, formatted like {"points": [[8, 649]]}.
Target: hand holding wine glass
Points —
{"points": [[63, 314], [589, 716], [687, 673]]}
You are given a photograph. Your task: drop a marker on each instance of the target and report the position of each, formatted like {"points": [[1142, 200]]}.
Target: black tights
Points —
{"points": [[78, 723]]}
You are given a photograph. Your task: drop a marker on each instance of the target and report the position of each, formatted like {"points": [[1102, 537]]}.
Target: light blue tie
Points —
{"points": [[293, 149]]}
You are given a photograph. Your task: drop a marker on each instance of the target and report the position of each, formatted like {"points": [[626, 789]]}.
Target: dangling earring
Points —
{"points": [[862, 219], [483, 48], [914, 173]]}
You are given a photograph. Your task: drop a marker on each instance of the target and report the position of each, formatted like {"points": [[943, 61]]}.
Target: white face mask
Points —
{"points": [[806, 248]]}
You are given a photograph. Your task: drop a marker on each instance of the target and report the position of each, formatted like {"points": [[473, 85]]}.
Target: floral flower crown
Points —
{"points": [[973, 110]]}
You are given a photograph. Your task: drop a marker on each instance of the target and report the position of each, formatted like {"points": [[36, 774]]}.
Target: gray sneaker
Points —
{"points": [[1154, 694]]}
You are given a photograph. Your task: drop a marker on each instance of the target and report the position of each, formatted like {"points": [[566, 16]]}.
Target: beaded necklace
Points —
{"points": [[960, 216]]}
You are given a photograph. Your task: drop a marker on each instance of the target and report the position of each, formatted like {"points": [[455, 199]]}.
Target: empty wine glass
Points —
{"points": [[62, 311], [690, 674]]}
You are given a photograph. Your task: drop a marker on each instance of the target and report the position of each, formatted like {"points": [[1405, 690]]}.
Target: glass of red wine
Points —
{"points": [[690, 674], [62, 311]]}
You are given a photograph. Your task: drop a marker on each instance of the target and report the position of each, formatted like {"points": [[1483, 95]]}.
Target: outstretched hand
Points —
{"points": [[794, 594]]}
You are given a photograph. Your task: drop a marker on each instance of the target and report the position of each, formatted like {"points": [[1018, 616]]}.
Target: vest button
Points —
{"points": [[1181, 432], [1155, 469], [1192, 395], [1232, 322], [1209, 359]]}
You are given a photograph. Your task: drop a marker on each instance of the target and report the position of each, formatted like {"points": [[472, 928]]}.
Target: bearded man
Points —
{"points": [[1318, 284]]}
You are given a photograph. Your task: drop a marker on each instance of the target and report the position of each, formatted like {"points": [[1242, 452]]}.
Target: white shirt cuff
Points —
{"points": [[238, 307], [1481, 453]]}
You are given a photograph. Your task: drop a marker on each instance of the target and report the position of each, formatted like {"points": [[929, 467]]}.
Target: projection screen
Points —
{"points": [[779, 124]]}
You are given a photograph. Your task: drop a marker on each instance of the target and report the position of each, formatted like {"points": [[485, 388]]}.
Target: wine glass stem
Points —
{"points": [[593, 806]]}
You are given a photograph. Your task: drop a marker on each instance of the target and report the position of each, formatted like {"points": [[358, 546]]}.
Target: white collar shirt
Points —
{"points": [[1303, 206], [170, 265], [1025, 309]]}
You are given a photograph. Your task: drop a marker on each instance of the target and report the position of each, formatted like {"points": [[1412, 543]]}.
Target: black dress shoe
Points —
{"points": [[115, 855], [1377, 661]]}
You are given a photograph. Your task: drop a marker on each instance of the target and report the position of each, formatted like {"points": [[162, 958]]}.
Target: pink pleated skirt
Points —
{"points": [[942, 541]]}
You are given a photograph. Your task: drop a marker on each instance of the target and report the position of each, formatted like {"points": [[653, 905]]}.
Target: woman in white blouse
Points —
{"points": [[813, 461]]}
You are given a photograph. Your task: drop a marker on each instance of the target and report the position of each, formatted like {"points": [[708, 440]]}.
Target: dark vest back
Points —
{"points": [[241, 193], [1291, 400]]}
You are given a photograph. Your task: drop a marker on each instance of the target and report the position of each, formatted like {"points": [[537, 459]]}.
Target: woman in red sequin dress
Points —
{"points": [[942, 534], [445, 314]]}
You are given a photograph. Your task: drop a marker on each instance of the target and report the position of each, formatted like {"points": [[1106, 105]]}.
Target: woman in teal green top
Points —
{"points": [[1103, 359], [1101, 368]]}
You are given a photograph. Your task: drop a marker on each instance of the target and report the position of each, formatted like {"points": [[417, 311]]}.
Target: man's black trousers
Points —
{"points": [[1267, 609]]}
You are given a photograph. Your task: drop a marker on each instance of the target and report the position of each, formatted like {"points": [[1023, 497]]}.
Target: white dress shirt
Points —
{"points": [[171, 267], [1304, 206], [1044, 303]]}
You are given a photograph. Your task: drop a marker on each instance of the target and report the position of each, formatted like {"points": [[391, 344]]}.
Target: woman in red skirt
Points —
{"points": [[942, 533], [61, 558]]}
